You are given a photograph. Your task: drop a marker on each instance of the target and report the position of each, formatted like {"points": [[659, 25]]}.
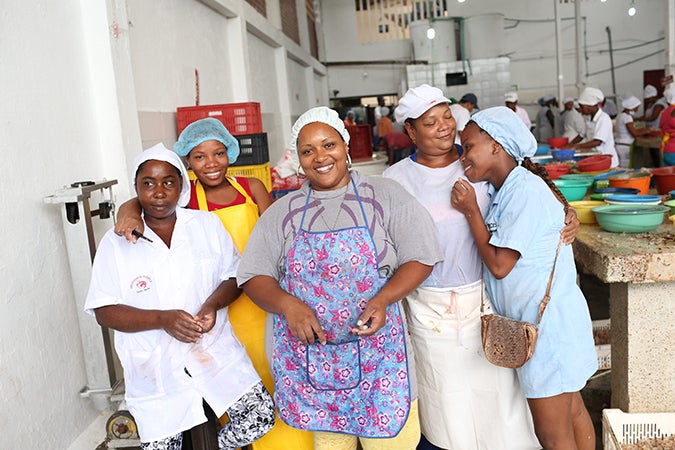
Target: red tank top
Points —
{"points": [[239, 199]]}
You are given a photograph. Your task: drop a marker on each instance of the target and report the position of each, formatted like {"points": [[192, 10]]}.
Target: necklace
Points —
{"points": [[337, 217]]}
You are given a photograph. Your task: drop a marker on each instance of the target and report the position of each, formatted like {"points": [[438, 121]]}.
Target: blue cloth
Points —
{"points": [[505, 127], [203, 130], [525, 216]]}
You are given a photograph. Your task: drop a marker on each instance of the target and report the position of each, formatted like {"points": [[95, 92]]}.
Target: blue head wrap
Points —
{"points": [[505, 127], [207, 130]]}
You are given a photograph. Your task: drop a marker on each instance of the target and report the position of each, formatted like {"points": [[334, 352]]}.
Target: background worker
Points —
{"points": [[511, 102]]}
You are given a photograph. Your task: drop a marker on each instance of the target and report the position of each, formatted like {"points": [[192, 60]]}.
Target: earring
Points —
{"points": [[349, 161]]}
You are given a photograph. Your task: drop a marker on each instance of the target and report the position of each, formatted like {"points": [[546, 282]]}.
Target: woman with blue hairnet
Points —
{"points": [[331, 262], [166, 298], [209, 149], [464, 401], [517, 240]]}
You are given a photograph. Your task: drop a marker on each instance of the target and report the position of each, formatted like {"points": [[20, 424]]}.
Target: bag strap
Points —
{"points": [[547, 296]]}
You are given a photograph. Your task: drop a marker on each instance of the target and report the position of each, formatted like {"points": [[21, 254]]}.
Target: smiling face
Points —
{"points": [[433, 133], [478, 156], [323, 156], [209, 162], [158, 186]]}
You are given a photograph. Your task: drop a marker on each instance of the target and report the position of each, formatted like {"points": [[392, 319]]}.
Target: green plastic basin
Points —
{"points": [[630, 218], [573, 190]]}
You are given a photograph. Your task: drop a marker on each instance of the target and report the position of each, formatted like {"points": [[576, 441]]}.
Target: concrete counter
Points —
{"points": [[640, 271]]}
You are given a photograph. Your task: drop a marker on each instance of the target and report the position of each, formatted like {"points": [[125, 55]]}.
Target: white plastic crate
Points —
{"points": [[604, 351], [619, 427]]}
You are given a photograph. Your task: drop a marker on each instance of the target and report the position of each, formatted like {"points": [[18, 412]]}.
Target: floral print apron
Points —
{"points": [[355, 385]]}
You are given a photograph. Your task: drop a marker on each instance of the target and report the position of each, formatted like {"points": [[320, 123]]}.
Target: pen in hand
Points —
{"points": [[140, 236]]}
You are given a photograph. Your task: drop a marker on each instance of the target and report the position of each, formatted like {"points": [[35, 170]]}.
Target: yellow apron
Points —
{"points": [[248, 320]]}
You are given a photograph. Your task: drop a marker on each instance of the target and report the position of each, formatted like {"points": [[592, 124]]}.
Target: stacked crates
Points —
{"points": [[360, 142], [244, 122]]}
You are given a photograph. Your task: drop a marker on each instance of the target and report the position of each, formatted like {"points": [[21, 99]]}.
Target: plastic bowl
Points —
{"points": [[629, 218], [578, 177], [612, 190], [595, 163], [555, 170], [558, 142], [630, 199], [584, 210], [671, 205], [664, 177], [573, 190], [637, 180], [562, 155], [543, 149]]}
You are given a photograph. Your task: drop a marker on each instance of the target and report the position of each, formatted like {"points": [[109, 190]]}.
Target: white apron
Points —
{"points": [[465, 403]]}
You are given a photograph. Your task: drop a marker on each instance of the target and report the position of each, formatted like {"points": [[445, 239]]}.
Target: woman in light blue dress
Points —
{"points": [[517, 241]]}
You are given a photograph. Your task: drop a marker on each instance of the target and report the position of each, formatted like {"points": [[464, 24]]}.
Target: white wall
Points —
{"points": [[530, 44], [50, 137]]}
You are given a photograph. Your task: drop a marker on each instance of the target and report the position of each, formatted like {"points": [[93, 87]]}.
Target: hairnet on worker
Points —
{"points": [[160, 153], [203, 130], [319, 114], [630, 102], [505, 127], [669, 94]]}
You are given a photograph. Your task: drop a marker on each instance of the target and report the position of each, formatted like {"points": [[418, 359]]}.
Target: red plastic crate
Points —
{"points": [[238, 118], [360, 141]]}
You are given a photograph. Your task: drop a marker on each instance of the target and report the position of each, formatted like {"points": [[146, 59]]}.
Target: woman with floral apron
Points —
{"points": [[331, 262]]}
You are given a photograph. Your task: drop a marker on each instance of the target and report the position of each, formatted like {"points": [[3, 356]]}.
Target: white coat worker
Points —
{"points": [[573, 122], [462, 112], [511, 102], [654, 106], [599, 133]]}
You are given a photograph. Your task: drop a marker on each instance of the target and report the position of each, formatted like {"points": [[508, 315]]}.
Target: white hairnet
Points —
{"points": [[650, 91], [511, 97], [319, 114], [160, 153], [505, 127], [630, 102], [591, 96], [669, 94], [384, 111], [567, 100], [203, 130]]}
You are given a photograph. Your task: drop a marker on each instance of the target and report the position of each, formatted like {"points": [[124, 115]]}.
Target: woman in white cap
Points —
{"points": [[166, 298], [573, 122], [517, 241], [331, 262], [548, 119], [667, 124], [599, 130], [465, 402], [511, 102], [210, 149], [626, 132], [654, 105]]}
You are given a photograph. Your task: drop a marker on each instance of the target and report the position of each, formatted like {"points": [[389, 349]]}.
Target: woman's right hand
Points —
{"points": [[181, 325], [463, 198], [129, 219], [302, 321]]}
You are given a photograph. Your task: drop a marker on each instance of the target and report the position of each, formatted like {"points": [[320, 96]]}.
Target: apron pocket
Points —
{"points": [[334, 367]]}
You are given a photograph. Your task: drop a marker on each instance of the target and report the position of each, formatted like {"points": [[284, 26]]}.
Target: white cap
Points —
{"points": [[630, 102], [511, 97], [160, 153], [417, 101], [591, 96], [650, 91], [548, 98], [669, 94], [567, 100]]}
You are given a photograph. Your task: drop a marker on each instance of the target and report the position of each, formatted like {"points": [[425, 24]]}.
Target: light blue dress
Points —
{"points": [[525, 216]]}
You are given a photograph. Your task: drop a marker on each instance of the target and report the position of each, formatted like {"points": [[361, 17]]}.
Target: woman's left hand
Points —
{"points": [[572, 226], [372, 318], [206, 317]]}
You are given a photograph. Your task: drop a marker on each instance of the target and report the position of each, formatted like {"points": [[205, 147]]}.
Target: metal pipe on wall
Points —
{"points": [[577, 42], [611, 60], [558, 52]]}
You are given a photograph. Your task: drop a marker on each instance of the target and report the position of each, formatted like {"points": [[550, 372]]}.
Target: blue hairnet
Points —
{"points": [[505, 127], [207, 130]]}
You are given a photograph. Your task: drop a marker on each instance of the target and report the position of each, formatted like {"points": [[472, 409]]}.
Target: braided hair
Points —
{"points": [[542, 173]]}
